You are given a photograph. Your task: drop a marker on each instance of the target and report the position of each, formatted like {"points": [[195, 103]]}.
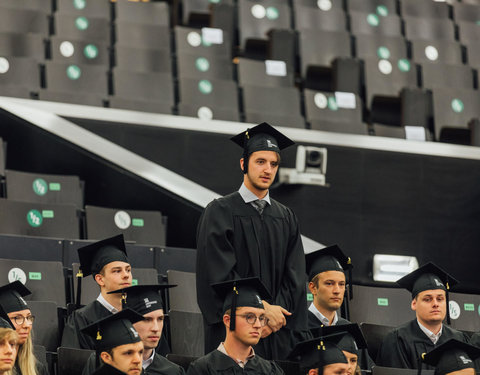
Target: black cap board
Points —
{"points": [[114, 330], [453, 355], [262, 137], [95, 256], [427, 277], [5, 321], [241, 293], [317, 353], [11, 297], [143, 298], [348, 337], [330, 258]]}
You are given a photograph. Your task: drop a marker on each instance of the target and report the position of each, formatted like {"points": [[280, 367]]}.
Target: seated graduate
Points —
{"points": [[12, 302], [244, 319], [320, 356], [108, 264], [403, 347], [475, 340], [145, 300], [117, 343], [453, 358], [8, 344]]}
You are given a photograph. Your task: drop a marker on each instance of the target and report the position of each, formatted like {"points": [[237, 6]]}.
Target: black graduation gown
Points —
{"points": [[218, 363], [475, 340], [108, 370], [403, 346], [235, 241], [314, 325], [72, 337]]}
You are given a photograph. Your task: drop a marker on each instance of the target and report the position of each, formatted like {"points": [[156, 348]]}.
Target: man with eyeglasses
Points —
{"points": [[244, 319]]}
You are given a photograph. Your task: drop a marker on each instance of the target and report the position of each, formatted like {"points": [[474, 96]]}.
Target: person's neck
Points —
{"points": [[147, 353], [112, 299], [236, 349], [330, 315], [433, 327], [259, 193]]}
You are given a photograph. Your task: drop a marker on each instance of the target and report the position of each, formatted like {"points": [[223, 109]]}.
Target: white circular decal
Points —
{"points": [[324, 5], [258, 11], [431, 52], [122, 220], [17, 274], [385, 66], [194, 39], [4, 65], [67, 49], [320, 100], [454, 310], [205, 113]]}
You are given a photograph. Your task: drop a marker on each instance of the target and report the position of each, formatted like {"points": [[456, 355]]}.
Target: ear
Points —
{"points": [[226, 320], [99, 279], [413, 306], [106, 358], [241, 163], [313, 371], [312, 287]]}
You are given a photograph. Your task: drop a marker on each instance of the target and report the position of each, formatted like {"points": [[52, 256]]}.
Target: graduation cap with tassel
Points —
{"points": [[143, 298]]}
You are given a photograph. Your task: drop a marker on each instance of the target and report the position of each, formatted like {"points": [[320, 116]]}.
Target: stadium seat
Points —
{"points": [[379, 370], [324, 5], [385, 306], [374, 335], [280, 105], [390, 47], [454, 108], [91, 290], [142, 227], [31, 248], [384, 77], [46, 331], [465, 313], [190, 41], [19, 72], [255, 20], [181, 360], [88, 8], [143, 86], [468, 32], [83, 52], [322, 47], [308, 17], [192, 9], [372, 24], [146, 13], [380, 7], [44, 188], [184, 296], [142, 105], [443, 75], [254, 72], [24, 21], [16, 91], [22, 45], [175, 258], [76, 78], [389, 131], [93, 28], [44, 279], [72, 361], [39, 219], [466, 12], [424, 9], [44, 6], [72, 97], [339, 126], [131, 34], [210, 67], [142, 59], [206, 113], [187, 333], [442, 51], [473, 54], [429, 28]]}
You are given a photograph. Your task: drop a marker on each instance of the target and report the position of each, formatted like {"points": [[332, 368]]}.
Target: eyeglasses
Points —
{"points": [[251, 318], [19, 319]]}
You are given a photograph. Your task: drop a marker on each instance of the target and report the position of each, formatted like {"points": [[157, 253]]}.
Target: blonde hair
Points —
{"points": [[5, 335], [25, 358]]}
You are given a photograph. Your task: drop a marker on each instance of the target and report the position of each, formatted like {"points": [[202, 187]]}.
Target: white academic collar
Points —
{"points": [[432, 336], [325, 321], [106, 304], [221, 349], [147, 362], [249, 197]]}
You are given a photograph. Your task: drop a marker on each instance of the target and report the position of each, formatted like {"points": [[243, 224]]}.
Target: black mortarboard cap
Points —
{"points": [[427, 277], [143, 298], [95, 256], [114, 330], [330, 258], [5, 321], [241, 293], [106, 369], [453, 355], [317, 353], [348, 337], [11, 297]]}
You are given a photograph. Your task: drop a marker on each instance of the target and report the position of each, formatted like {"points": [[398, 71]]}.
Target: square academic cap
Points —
{"points": [[114, 330], [348, 337], [316, 353], [241, 293], [95, 256], [142, 298], [330, 258], [453, 355], [5, 321], [11, 297]]}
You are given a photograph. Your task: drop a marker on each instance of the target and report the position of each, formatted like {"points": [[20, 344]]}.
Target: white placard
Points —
{"points": [[276, 68], [211, 35], [415, 133], [345, 100]]}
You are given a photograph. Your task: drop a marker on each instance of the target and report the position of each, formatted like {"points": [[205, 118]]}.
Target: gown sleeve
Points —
{"points": [[393, 353]]}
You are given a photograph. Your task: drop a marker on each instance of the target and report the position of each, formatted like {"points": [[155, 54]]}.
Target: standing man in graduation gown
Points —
{"points": [[246, 234], [243, 319], [404, 346], [108, 264], [145, 300]]}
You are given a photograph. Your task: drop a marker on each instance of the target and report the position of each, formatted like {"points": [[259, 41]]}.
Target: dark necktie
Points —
{"points": [[259, 205]]}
